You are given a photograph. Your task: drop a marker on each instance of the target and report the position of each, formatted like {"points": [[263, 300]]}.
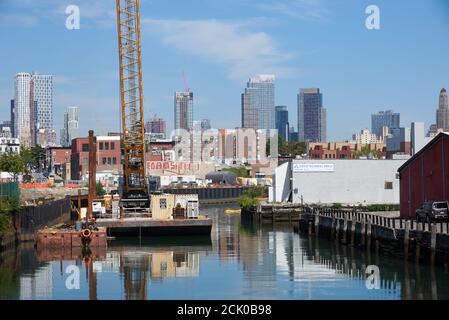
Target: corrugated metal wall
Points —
{"points": [[426, 177]]}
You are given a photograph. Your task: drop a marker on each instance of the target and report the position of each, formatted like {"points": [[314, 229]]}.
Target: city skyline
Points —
{"points": [[380, 73]]}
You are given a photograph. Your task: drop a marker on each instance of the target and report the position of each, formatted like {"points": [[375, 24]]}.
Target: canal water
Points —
{"points": [[239, 261]]}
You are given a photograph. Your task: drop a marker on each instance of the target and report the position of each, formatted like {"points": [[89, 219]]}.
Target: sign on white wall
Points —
{"points": [[313, 167]]}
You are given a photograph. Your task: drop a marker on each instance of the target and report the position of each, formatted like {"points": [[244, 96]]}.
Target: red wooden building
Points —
{"points": [[425, 177]]}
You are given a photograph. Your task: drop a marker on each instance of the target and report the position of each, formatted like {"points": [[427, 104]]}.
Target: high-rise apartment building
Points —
{"points": [[33, 106], [282, 124], [312, 116], [258, 111], [71, 126], [12, 118], [184, 110], [443, 112], [42, 93], [22, 99], [381, 119]]}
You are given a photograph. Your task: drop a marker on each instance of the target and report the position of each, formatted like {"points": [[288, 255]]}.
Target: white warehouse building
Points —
{"points": [[349, 182]]}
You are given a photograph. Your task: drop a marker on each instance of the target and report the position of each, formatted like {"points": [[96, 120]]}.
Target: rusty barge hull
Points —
{"points": [[145, 227]]}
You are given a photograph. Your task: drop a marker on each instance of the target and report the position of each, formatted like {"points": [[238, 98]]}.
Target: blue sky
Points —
{"points": [[220, 44]]}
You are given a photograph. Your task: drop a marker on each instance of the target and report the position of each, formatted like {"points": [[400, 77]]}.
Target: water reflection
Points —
{"points": [[239, 261]]}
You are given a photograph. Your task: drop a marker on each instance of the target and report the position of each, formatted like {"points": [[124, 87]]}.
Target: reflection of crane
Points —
{"points": [[135, 192], [135, 267]]}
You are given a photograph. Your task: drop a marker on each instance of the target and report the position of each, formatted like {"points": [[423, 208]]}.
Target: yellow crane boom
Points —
{"points": [[131, 93]]}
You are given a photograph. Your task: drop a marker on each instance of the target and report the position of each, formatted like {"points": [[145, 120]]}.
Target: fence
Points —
{"points": [[9, 189], [30, 219]]}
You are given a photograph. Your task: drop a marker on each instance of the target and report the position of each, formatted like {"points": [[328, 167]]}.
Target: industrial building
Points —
{"points": [[348, 182], [425, 176]]}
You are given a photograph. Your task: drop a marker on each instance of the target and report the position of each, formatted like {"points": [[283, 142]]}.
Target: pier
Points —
{"points": [[422, 241]]}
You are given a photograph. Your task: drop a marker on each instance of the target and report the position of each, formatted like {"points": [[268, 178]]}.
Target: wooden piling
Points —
{"points": [[368, 234], [433, 243], [345, 230], [337, 227], [362, 233], [317, 223], [353, 225], [406, 238]]}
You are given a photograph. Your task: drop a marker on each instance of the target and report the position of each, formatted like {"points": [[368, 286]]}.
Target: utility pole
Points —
{"points": [[92, 173]]}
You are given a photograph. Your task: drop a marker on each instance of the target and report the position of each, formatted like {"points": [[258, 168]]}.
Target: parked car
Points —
{"points": [[433, 211]]}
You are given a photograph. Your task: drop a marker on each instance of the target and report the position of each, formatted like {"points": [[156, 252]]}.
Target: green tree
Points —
{"points": [[6, 208], [33, 158], [99, 189], [12, 163], [250, 197]]}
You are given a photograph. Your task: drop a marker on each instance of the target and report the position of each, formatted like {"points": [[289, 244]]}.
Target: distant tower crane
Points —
{"points": [[134, 187]]}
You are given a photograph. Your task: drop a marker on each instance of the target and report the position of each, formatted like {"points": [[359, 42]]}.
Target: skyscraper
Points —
{"points": [[42, 94], [258, 110], [282, 124], [443, 112], [71, 125], [384, 119], [12, 118], [33, 106], [184, 110], [22, 108], [312, 120]]}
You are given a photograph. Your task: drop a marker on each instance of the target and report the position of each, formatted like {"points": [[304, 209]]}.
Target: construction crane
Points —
{"points": [[134, 186]]}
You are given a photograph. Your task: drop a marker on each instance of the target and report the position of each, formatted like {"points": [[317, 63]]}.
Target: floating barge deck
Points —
{"points": [[129, 227]]}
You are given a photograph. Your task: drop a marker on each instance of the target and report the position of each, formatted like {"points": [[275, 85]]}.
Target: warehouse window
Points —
{"points": [[104, 160], [109, 160], [114, 160], [112, 145], [388, 185], [101, 145], [85, 147], [106, 145], [163, 203]]}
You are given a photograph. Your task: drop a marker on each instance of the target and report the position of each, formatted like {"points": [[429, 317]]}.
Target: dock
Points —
{"points": [[379, 231], [155, 227], [421, 241]]}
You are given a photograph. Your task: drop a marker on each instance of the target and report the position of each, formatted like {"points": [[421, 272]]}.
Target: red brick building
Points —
{"points": [[160, 151], [56, 157], [108, 155], [425, 177]]}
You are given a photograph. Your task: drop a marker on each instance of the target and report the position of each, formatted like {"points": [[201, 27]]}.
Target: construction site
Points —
{"points": [[133, 211]]}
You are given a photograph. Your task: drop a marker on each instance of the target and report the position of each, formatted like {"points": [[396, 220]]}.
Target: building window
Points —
{"points": [[114, 160], [85, 147], [101, 145], [109, 160], [85, 161], [112, 145], [106, 145], [163, 203], [388, 185], [104, 160]]}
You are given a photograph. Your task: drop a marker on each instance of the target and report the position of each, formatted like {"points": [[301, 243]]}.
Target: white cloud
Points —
{"points": [[308, 10], [233, 44]]}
